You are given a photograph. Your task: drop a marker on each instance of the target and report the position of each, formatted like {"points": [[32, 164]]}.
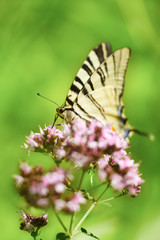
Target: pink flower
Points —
{"points": [[61, 153], [79, 159], [34, 141], [46, 141], [42, 202], [52, 178], [60, 204], [59, 188], [19, 180], [66, 130], [37, 189], [134, 191], [102, 164], [25, 168], [80, 127], [117, 182], [72, 204]]}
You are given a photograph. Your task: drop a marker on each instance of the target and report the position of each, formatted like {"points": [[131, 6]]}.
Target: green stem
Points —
{"points": [[89, 210], [84, 217], [70, 185], [60, 221], [73, 215], [99, 185], [80, 183], [34, 234], [112, 198], [72, 222], [103, 192]]}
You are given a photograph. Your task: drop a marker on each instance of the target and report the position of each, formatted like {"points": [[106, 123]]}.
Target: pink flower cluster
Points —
{"points": [[42, 190], [121, 172], [38, 188], [45, 141], [85, 143], [32, 224]]}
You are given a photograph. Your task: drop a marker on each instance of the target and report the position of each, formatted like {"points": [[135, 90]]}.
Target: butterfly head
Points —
{"points": [[65, 113], [60, 112]]}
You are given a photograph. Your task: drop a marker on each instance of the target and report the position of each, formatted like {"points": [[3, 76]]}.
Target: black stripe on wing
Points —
{"points": [[74, 88], [84, 90], [87, 69], [90, 62], [114, 64], [72, 110], [99, 52], [77, 79], [118, 67], [94, 102], [108, 47], [102, 76], [90, 84], [98, 106], [69, 101], [103, 53], [106, 67], [83, 110]]}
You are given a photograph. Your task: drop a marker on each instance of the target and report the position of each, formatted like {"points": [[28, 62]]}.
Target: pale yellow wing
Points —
{"points": [[103, 101]]}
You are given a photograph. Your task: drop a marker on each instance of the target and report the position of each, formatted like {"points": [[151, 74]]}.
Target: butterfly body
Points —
{"points": [[96, 92]]}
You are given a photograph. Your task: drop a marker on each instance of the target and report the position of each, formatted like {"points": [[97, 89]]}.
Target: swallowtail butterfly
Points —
{"points": [[96, 92]]}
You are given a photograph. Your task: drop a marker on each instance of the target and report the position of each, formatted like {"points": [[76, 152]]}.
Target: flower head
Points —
{"points": [[32, 224], [41, 189], [45, 141], [121, 172], [86, 143]]}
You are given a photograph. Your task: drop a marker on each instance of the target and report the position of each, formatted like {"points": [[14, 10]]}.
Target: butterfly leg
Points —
{"points": [[55, 119]]}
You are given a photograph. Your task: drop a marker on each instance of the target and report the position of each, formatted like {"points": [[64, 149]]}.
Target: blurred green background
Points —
{"points": [[42, 46]]}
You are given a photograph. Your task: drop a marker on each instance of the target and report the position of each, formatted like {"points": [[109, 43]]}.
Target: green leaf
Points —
{"points": [[108, 204], [83, 230], [62, 236]]}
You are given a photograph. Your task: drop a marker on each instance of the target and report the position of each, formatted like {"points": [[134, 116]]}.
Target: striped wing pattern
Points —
{"points": [[97, 89], [95, 58]]}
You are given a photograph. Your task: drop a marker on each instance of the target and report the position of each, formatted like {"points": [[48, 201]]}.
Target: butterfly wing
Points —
{"points": [[95, 58], [97, 90], [103, 99]]}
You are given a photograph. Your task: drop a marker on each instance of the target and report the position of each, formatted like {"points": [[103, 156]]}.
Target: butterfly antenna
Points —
{"points": [[47, 99], [150, 136]]}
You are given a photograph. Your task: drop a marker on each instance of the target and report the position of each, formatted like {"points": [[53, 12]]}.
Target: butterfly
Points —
{"points": [[97, 90]]}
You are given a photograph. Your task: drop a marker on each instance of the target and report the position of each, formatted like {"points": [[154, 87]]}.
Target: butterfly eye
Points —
{"points": [[60, 110]]}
